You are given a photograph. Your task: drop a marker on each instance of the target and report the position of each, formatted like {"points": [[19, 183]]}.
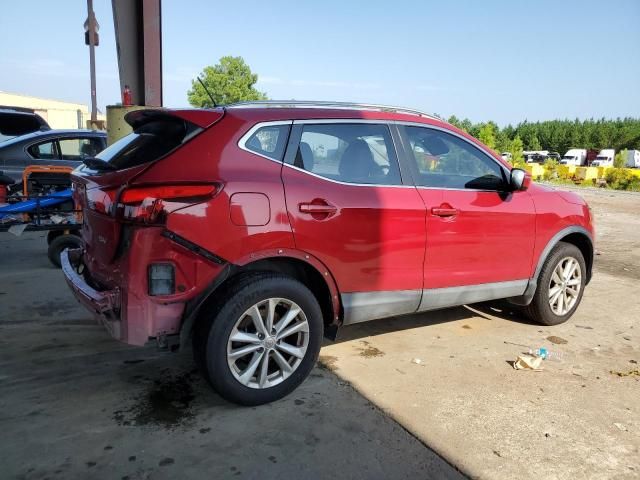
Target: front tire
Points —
{"points": [[261, 338], [560, 286]]}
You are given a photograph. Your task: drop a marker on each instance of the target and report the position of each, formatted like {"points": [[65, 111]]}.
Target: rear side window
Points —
{"points": [[358, 153], [148, 142], [269, 141], [79, 148], [45, 150]]}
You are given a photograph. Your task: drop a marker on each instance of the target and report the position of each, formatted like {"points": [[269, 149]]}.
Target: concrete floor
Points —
{"points": [[75, 404]]}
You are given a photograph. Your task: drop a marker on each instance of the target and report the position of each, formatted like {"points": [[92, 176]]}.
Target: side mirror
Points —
{"points": [[520, 179]]}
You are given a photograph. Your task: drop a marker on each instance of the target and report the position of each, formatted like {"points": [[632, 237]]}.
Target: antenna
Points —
{"points": [[208, 92]]}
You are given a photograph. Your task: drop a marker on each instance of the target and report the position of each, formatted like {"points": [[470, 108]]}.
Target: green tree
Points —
{"points": [[466, 125], [453, 120], [229, 81], [517, 159], [620, 160], [487, 135], [534, 143]]}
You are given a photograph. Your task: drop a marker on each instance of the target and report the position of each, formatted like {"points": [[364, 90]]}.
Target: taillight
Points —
{"points": [[100, 200], [167, 192], [150, 204]]}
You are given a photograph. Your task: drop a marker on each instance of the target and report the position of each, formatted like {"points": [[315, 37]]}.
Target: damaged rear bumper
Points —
{"points": [[105, 305]]}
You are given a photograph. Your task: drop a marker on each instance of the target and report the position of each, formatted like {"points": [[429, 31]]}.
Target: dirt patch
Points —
{"points": [[328, 362], [165, 403], [557, 340], [368, 350], [630, 373]]}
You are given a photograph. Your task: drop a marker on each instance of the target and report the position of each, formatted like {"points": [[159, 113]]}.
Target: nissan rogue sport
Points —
{"points": [[254, 229]]}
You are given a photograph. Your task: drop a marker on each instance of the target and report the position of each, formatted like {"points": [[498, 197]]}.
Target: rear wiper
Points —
{"points": [[98, 164]]}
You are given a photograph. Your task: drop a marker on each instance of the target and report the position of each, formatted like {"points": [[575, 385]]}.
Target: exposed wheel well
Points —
{"points": [[586, 248]]}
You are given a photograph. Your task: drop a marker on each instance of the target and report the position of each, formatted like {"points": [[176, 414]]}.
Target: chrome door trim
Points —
{"points": [[435, 298], [256, 127], [365, 306]]}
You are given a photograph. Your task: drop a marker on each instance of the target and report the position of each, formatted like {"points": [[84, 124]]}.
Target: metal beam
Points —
{"points": [[138, 29]]}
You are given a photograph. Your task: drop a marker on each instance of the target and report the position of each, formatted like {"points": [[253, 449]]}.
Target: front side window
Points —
{"points": [[351, 153], [447, 161], [79, 148], [269, 141], [44, 151]]}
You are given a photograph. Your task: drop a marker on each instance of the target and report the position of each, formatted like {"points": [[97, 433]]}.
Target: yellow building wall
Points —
{"points": [[58, 114]]}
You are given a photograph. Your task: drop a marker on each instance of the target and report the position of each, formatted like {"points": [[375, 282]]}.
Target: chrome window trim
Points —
{"points": [[506, 171], [254, 129], [324, 121]]}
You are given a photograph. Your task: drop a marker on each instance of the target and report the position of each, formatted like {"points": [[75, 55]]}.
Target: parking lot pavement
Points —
{"points": [[578, 418], [76, 404]]}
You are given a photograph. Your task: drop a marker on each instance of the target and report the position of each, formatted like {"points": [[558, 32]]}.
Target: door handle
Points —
{"points": [[444, 211], [317, 208]]}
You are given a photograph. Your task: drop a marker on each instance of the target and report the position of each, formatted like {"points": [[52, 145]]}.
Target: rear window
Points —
{"points": [[15, 124], [148, 142]]}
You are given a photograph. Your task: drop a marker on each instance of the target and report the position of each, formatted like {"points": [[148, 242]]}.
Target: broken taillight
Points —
{"points": [[151, 204]]}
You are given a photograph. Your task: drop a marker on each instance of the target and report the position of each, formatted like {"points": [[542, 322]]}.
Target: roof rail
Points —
{"points": [[326, 104]]}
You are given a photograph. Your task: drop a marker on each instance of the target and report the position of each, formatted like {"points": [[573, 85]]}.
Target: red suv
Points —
{"points": [[252, 230]]}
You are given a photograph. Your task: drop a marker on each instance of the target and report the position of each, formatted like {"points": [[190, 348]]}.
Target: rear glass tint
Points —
{"points": [[148, 143], [14, 124]]}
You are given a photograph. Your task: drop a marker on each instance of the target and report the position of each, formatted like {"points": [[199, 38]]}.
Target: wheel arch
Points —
{"points": [[298, 265], [574, 235]]}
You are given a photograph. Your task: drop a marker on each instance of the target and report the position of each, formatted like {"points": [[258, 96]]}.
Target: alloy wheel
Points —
{"points": [[267, 343], [565, 285]]}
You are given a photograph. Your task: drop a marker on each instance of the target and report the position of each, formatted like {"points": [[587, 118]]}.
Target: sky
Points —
{"points": [[506, 61]]}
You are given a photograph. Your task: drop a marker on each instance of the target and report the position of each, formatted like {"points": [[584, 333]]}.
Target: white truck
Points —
{"points": [[604, 158], [633, 158], [574, 156], [535, 156]]}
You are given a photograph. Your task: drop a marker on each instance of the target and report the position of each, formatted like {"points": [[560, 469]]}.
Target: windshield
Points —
{"points": [[568, 157]]}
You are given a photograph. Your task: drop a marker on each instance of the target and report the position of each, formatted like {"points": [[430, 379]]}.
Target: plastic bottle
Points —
{"points": [[546, 354], [126, 96]]}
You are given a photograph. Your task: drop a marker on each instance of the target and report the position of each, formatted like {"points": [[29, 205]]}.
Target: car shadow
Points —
{"points": [[491, 311]]}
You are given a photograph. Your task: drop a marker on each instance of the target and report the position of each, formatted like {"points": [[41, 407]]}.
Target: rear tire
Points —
{"points": [[277, 321], [59, 243], [560, 286]]}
